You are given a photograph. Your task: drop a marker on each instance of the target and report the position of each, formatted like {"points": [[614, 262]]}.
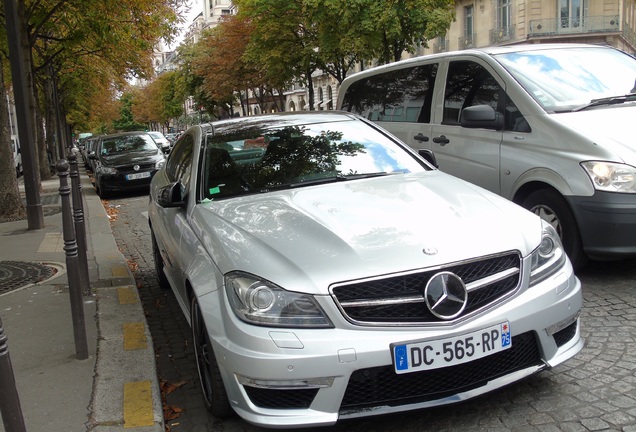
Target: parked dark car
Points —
{"points": [[125, 162], [88, 149]]}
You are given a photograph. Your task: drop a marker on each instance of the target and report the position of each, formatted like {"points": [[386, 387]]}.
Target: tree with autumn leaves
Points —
{"points": [[80, 55], [270, 44]]}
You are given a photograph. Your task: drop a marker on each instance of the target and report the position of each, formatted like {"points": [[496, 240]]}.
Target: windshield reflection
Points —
{"points": [[566, 79], [257, 160]]}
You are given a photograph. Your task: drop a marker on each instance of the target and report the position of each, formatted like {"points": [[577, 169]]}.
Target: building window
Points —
{"points": [[503, 14], [468, 21], [571, 13]]}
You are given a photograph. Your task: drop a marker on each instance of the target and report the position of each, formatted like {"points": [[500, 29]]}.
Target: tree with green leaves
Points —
{"points": [[283, 41], [126, 122]]}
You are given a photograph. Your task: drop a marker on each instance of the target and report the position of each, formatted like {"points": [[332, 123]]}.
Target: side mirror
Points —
{"points": [[429, 156], [481, 116], [170, 196]]}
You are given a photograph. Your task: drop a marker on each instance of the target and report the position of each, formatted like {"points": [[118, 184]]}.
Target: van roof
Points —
{"points": [[490, 51]]}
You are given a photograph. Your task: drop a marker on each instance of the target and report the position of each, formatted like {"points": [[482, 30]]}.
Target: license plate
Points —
{"points": [[138, 176], [417, 356]]}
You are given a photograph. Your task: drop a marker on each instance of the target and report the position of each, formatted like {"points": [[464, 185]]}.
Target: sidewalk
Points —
{"points": [[116, 388]]}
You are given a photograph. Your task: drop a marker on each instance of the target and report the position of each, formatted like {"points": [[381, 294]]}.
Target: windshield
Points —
{"points": [[157, 135], [127, 143], [567, 79], [256, 160]]}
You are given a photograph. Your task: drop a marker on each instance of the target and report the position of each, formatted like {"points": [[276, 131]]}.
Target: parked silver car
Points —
{"points": [[162, 142], [328, 272]]}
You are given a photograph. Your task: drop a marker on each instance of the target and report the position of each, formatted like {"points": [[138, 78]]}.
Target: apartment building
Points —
{"points": [[482, 23]]}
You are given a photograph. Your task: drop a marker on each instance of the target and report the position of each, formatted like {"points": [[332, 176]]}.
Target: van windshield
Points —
{"points": [[567, 79]]}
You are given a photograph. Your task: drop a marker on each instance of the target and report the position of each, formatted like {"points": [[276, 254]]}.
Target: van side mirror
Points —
{"points": [[481, 116], [429, 156]]}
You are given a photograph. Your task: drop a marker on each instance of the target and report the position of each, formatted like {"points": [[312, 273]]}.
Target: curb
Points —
{"points": [[126, 392]]}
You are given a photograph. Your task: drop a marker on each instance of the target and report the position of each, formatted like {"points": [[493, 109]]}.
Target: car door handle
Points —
{"points": [[441, 140], [421, 138]]}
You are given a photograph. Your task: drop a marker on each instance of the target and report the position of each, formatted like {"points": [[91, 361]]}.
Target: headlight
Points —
{"points": [[159, 164], [611, 176], [549, 257], [107, 170], [260, 302]]}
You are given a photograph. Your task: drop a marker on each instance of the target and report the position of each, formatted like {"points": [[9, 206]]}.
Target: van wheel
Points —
{"points": [[552, 207], [214, 394]]}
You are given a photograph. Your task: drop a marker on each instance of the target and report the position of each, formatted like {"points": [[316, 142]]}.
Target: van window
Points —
{"points": [[469, 84], [402, 95]]}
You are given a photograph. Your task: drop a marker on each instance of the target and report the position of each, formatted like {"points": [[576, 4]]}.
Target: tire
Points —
{"points": [[552, 207], [100, 191], [214, 394], [156, 255]]}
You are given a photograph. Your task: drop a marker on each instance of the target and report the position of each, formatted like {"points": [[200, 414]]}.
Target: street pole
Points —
{"points": [[35, 216], [72, 263], [78, 218], [10, 408]]}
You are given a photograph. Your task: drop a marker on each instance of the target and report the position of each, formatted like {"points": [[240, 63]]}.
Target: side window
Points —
{"points": [[469, 84], [179, 164], [402, 95]]}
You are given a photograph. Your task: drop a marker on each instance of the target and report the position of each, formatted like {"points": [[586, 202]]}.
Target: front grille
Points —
{"points": [[402, 296], [564, 336], [281, 399], [381, 386]]}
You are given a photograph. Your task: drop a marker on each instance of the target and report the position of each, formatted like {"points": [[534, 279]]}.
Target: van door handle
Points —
{"points": [[441, 140], [421, 138]]}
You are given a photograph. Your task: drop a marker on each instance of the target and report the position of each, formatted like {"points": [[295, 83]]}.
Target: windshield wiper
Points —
{"points": [[336, 178], [323, 180], [612, 100]]}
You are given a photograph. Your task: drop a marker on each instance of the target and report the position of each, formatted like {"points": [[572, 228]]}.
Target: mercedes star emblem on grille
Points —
{"points": [[136, 167], [445, 295]]}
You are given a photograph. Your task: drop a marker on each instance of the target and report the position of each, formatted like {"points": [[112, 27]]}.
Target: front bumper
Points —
{"points": [[349, 371], [119, 182], [607, 223]]}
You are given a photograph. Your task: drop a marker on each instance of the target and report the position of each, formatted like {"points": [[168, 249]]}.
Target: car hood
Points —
{"points": [[616, 133], [142, 157], [307, 238]]}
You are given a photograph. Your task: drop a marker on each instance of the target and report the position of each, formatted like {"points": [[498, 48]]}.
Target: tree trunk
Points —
{"points": [[11, 206]]}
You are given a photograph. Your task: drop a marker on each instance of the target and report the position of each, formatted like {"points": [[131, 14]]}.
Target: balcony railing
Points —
{"points": [[501, 34], [560, 26], [440, 46], [466, 41], [629, 34]]}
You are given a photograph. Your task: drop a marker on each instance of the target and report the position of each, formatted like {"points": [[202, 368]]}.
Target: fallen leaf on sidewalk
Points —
{"points": [[132, 265]]}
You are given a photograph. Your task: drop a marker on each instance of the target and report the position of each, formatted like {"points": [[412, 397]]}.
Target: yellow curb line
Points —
{"points": [[137, 404], [134, 336], [126, 295], [119, 271]]}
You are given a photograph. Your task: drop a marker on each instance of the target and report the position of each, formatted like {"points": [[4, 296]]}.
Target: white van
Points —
{"points": [[551, 127]]}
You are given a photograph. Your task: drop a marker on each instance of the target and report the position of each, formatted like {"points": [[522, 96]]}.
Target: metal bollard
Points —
{"points": [[72, 263], [10, 408], [80, 227]]}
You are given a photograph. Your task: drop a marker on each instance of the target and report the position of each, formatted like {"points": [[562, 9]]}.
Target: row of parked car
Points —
{"points": [[124, 161], [335, 265]]}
